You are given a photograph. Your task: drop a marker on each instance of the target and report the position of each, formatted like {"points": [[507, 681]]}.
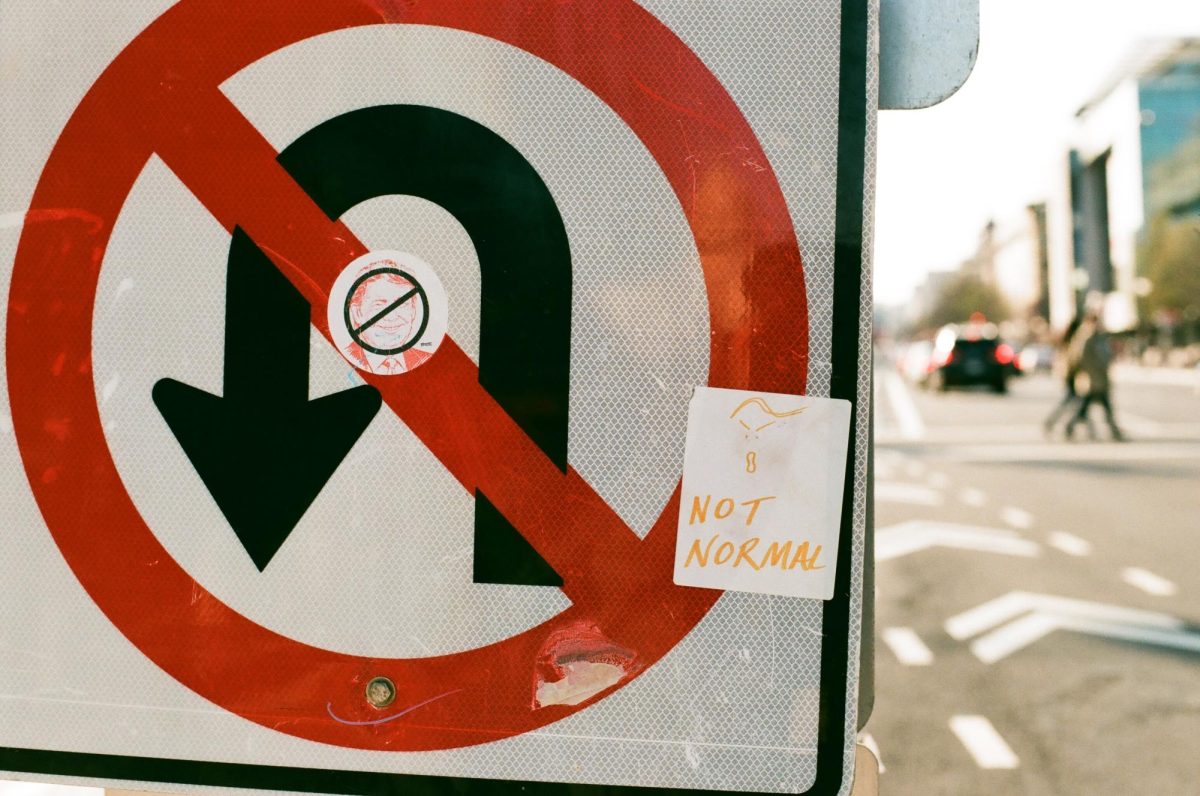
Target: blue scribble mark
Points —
{"points": [[386, 719]]}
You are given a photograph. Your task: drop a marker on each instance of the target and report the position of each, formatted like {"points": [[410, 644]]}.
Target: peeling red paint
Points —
{"points": [[576, 663]]}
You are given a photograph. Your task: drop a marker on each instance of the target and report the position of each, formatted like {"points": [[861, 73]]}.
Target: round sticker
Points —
{"points": [[387, 312]]}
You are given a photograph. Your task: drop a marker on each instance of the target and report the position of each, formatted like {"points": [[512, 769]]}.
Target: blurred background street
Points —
{"points": [[1038, 598], [1035, 596]]}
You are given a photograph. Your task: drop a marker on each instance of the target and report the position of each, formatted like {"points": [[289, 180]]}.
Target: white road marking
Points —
{"points": [[867, 740], [1176, 639], [974, 433], [1069, 452], [1018, 518], [982, 741], [907, 416], [1180, 377], [1016, 635], [900, 540], [989, 614], [1035, 616], [1141, 426], [907, 646], [1069, 543], [1009, 606], [1148, 582], [912, 494], [973, 497]]}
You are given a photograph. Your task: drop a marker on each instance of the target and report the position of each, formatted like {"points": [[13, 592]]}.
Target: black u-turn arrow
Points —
{"points": [[524, 258]]}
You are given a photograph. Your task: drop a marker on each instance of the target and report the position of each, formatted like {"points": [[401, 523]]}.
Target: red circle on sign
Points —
{"points": [[161, 96]]}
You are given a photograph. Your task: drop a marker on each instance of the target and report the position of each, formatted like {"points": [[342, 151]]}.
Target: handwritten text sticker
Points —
{"points": [[761, 506]]}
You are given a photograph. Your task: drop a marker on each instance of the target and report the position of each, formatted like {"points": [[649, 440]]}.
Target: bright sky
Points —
{"points": [[997, 144]]}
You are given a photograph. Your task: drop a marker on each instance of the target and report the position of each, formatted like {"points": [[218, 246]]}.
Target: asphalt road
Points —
{"points": [[1038, 601]]}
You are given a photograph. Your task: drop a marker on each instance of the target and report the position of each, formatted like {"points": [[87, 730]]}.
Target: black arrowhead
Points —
{"points": [[263, 449]]}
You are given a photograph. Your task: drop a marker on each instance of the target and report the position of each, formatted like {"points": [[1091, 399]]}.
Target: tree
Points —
{"points": [[961, 297], [1171, 261]]}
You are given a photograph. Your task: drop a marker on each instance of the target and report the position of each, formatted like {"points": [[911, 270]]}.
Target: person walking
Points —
{"points": [[1093, 355], [1067, 367]]}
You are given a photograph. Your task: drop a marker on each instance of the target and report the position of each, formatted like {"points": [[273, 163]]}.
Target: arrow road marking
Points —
{"points": [[1148, 582], [907, 646], [983, 742], [1011, 605], [1022, 618], [911, 537], [1014, 636]]}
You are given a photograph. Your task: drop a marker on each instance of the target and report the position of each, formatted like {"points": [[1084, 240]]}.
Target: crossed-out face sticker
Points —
{"points": [[387, 312]]}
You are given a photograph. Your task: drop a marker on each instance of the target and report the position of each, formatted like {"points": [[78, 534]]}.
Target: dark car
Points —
{"points": [[970, 355]]}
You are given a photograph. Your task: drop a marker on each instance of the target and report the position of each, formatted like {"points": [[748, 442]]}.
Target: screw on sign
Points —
{"points": [[154, 100]]}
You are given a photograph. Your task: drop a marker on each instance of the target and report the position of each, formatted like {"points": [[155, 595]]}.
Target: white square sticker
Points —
{"points": [[763, 477]]}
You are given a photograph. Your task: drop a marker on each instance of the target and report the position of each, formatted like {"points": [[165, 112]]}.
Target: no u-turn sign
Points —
{"points": [[348, 353]]}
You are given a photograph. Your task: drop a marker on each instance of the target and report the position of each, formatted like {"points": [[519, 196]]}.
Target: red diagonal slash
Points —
{"points": [[232, 169]]}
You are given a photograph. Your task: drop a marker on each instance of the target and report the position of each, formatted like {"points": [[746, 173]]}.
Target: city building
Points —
{"points": [[1128, 225]]}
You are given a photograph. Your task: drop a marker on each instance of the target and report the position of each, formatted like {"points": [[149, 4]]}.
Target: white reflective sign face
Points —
{"points": [[348, 357]]}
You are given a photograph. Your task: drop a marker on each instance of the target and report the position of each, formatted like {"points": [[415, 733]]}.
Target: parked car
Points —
{"points": [[968, 355]]}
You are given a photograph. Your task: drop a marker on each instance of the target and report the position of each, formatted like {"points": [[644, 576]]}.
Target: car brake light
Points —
{"points": [[1004, 354]]}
